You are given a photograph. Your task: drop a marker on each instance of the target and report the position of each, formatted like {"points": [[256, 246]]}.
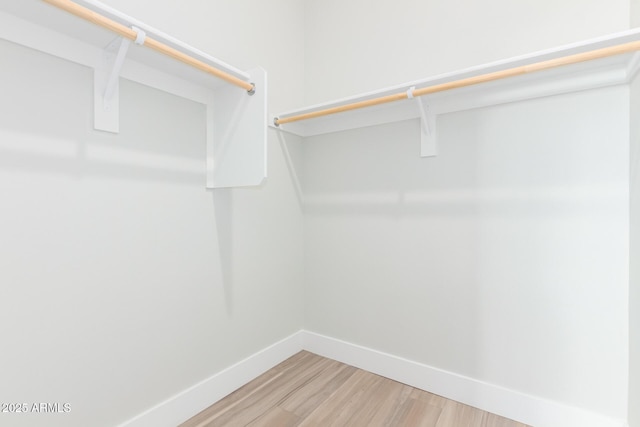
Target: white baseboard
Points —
{"points": [[511, 404], [191, 401]]}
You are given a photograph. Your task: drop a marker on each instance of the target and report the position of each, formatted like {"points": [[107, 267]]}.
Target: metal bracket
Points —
{"points": [[428, 143]]}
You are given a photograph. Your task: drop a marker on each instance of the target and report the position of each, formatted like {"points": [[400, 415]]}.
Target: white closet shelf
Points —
{"points": [[608, 71], [236, 121]]}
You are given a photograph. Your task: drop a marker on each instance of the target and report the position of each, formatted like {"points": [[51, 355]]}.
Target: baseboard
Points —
{"points": [[511, 404], [188, 403]]}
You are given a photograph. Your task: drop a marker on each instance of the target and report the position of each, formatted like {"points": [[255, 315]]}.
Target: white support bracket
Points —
{"points": [[106, 76], [428, 142], [106, 93]]}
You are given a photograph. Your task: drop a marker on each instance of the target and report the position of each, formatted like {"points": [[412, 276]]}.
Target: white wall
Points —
{"points": [[634, 282], [122, 280], [503, 259], [362, 45]]}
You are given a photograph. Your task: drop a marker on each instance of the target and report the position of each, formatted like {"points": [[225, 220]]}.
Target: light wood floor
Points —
{"points": [[311, 391]]}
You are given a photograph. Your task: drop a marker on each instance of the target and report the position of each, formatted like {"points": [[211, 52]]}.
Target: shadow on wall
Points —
{"points": [[378, 171], [285, 146], [47, 125], [223, 202]]}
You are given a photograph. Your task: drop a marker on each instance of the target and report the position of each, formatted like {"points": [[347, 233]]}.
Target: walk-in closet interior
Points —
{"points": [[443, 194]]}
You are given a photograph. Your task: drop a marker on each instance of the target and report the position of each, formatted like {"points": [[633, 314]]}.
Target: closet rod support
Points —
{"points": [[141, 36], [114, 74], [428, 141], [424, 119]]}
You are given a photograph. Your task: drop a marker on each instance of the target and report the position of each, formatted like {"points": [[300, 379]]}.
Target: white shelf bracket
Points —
{"points": [[428, 142], [106, 82]]}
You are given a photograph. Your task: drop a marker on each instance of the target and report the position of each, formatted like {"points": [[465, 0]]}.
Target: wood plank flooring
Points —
{"points": [[311, 391]]}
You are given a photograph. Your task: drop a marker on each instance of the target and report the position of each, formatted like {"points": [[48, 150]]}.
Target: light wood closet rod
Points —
{"points": [[469, 81], [131, 34]]}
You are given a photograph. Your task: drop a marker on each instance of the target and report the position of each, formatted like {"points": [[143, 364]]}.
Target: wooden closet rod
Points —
{"points": [[469, 81], [131, 34]]}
